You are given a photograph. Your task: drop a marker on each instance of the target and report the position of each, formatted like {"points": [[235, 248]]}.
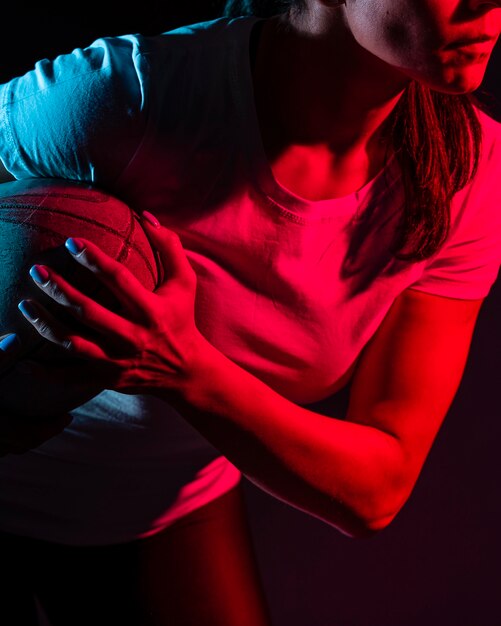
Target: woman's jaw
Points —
{"points": [[443, 44]]}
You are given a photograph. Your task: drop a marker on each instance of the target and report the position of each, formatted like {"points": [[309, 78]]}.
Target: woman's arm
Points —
{"points": [[354, 474]]}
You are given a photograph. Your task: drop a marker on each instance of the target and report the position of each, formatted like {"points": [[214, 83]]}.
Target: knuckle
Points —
{"points": [[189, 278], [74, 345], [74, 342], [158, 325], [54, 291], [174, 240], [118, 271], [49, 290], [88, 261], [171, 234], [44, 328], [151, 311], [142, 335], [67, 344], [57, 293], [80, 310]]}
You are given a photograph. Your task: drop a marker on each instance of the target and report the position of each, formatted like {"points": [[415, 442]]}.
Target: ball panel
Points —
{"points": [[36, 217], [61, 205]]}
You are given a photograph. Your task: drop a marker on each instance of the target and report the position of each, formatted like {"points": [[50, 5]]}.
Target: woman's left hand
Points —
{"points": [[150, 347]]}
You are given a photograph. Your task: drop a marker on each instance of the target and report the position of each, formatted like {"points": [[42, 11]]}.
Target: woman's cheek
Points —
{"points": [[385, 36], [402, 33]]}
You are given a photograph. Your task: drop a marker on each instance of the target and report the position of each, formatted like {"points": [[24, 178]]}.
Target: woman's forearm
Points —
{"points": [[354, 474], [341, 472]]}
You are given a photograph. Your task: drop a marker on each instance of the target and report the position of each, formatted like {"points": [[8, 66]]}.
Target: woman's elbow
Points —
{"points": [[364, 528], [373, 526], [380, 501], [374, 512]]}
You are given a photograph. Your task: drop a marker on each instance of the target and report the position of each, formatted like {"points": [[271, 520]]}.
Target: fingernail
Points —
{"points": [[28, 310], [75, 246], [149, 217], [10, 343], [39, 274]]}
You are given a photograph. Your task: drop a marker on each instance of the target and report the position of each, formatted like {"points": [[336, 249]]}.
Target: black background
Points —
{"points": [[437, 564]]}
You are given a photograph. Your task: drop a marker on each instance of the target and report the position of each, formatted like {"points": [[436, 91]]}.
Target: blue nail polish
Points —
{"points": [[10, 343], [28, 310], [39, 274], [75, 246]]}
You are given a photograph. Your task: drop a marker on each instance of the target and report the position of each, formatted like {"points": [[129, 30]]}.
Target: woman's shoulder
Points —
{"points": [[486, 179], [218, 32], [479, 202]]}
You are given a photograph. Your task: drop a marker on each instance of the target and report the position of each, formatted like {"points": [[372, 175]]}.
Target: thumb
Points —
{"points": [[169, 247]]}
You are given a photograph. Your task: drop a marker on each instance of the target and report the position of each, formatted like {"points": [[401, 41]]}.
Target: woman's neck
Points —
{"points": [[315, 85]]}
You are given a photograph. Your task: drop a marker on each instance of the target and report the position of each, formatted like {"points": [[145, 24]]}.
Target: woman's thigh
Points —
{"points": [[200, 570], [204, 571]]}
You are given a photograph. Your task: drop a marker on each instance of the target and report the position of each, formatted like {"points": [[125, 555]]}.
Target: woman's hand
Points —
{"points": [[150, 346]]}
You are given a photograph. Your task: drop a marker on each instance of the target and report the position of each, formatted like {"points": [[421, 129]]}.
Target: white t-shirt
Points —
{"points": [[290, 289]]}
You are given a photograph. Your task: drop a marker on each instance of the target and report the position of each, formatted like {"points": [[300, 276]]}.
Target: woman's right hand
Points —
{"points": [[20, 433]]}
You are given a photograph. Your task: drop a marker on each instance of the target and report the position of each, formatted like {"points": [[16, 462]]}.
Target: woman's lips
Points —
{"points": [[470, 41]]}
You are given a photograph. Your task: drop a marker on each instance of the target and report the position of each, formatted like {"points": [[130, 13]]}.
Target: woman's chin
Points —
{"points": [[459, 80]]}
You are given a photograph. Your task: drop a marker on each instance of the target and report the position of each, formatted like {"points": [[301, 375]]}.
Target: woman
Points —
{"points": [[327, 216]]}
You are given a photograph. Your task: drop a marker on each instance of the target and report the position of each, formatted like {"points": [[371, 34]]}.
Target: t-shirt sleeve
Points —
{"points": [[468, 263], [81, 116]]}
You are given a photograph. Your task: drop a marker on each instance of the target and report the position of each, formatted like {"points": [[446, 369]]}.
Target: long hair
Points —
{"points": [[436, 138]]}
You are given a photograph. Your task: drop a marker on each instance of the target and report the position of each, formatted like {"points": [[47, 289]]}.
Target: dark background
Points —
{"points": [[437, 564]]}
